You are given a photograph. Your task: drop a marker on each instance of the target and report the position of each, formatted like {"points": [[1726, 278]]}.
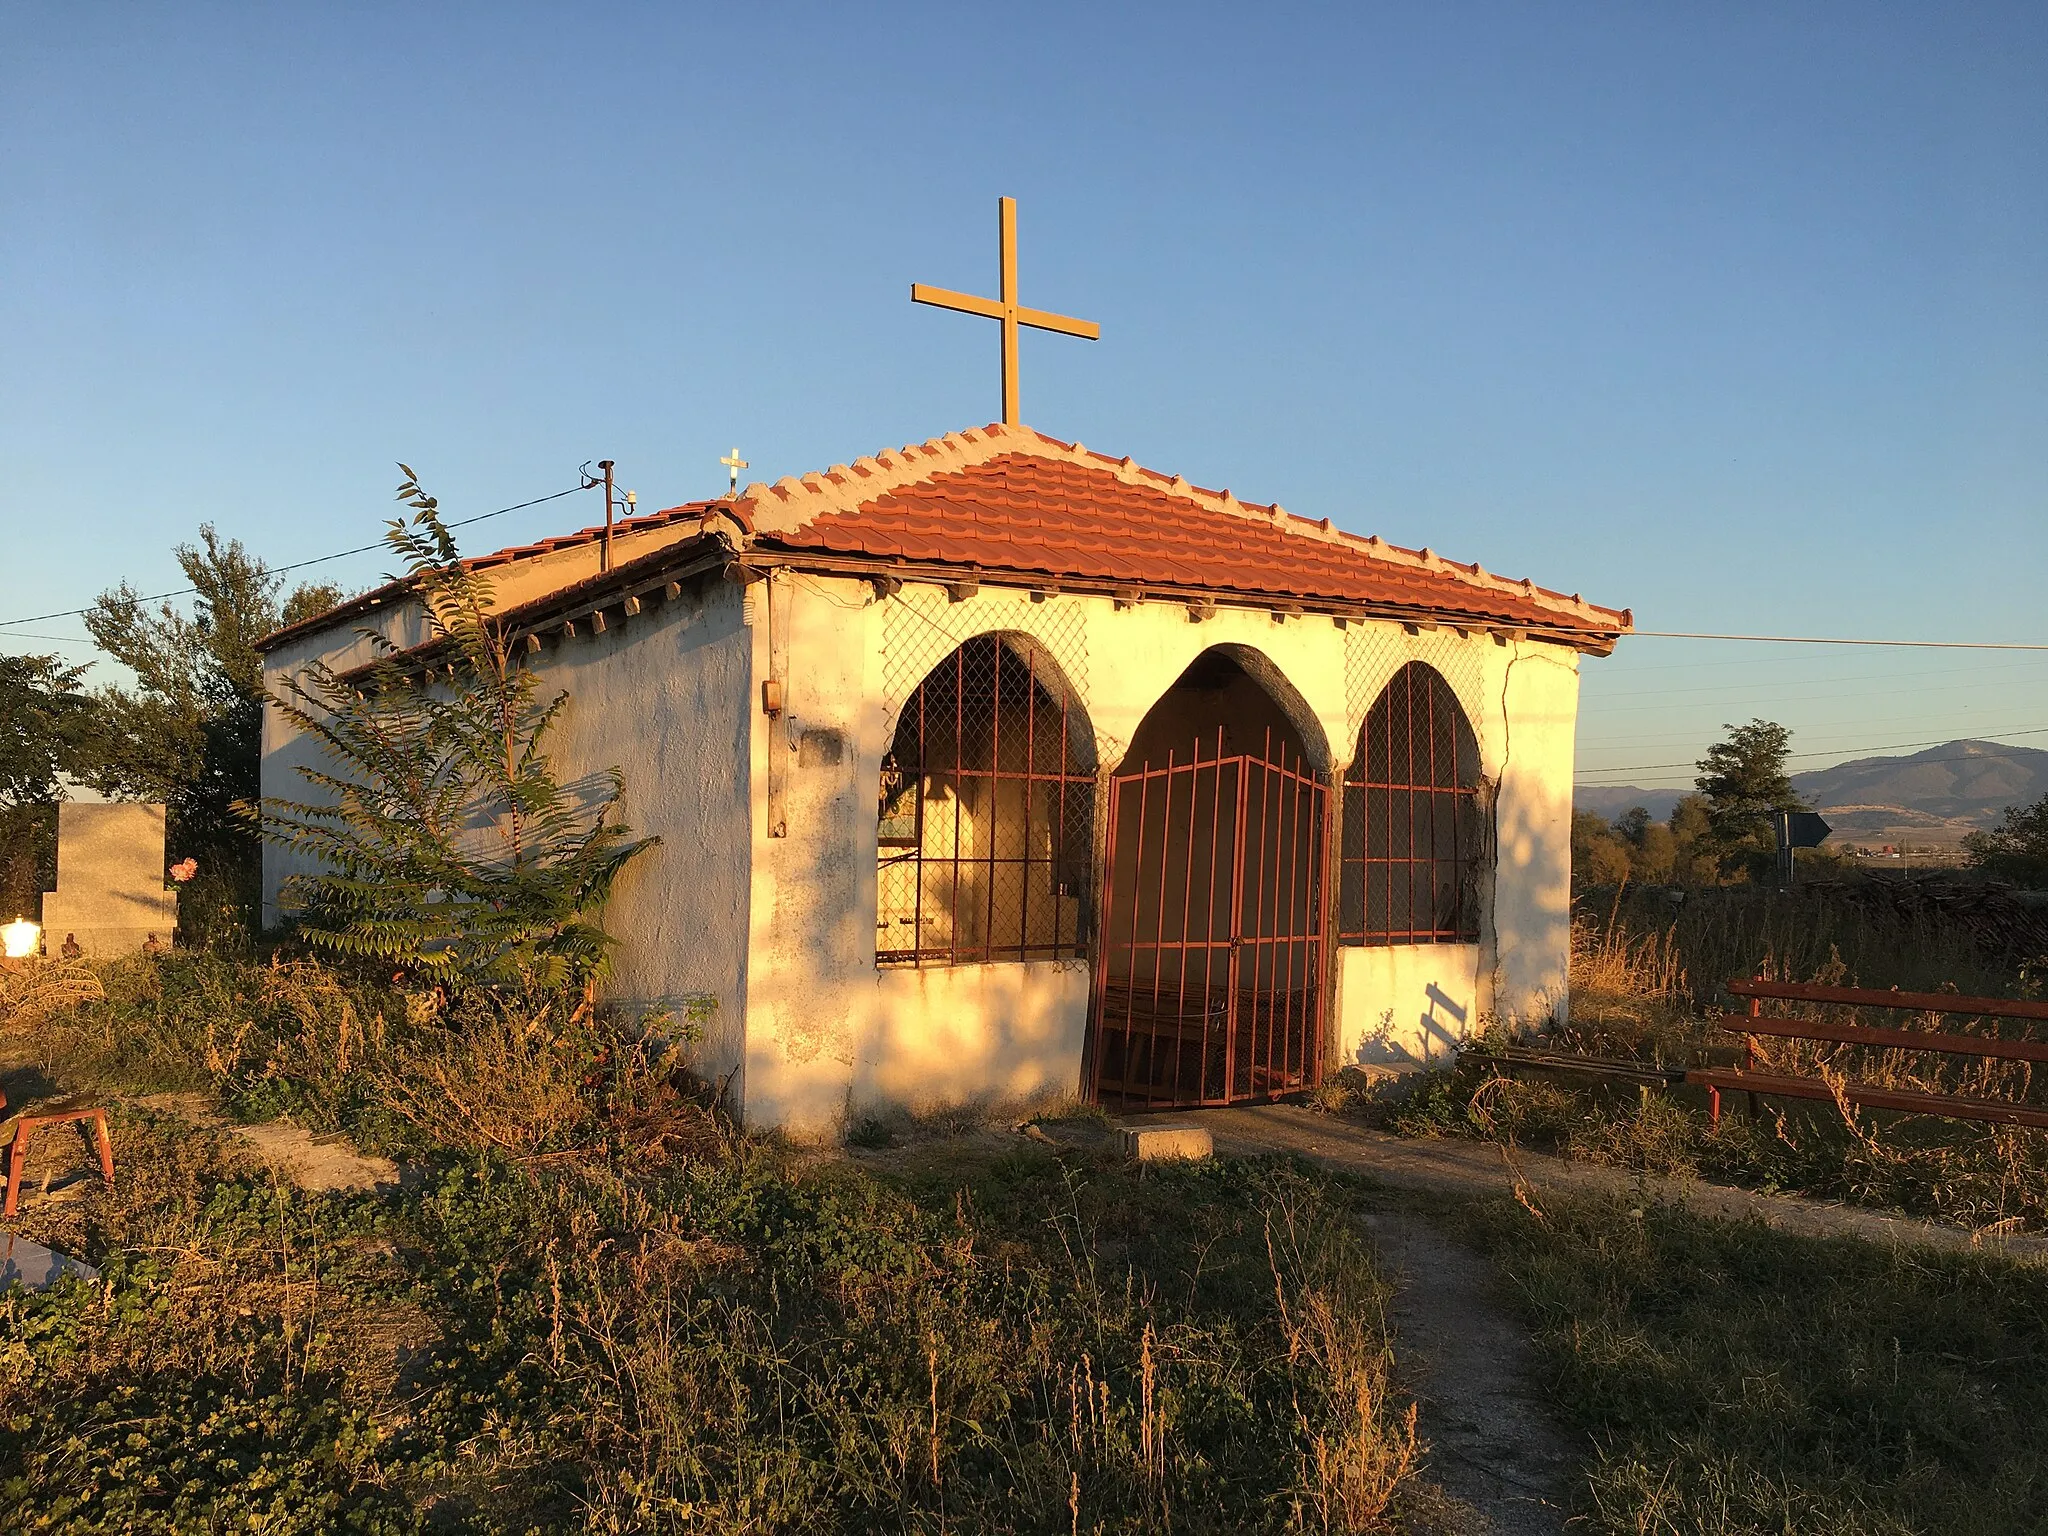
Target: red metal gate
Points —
{"points": [[1209, 965]]}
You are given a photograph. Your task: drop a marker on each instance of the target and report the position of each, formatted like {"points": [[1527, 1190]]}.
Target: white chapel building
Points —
{"points": [[995, 770]]}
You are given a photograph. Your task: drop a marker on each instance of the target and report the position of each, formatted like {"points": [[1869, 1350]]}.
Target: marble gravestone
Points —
{"points": [[110, 897]]}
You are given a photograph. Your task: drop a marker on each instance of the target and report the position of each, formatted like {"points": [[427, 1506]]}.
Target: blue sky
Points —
{"points": [[1735, 314]]}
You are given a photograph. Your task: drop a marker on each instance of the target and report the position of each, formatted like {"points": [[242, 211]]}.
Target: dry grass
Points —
{"points": [[1362, 1448], [31, 994], [1647, 983], [1732, 1380], [594, 1306], [507, 1076]]}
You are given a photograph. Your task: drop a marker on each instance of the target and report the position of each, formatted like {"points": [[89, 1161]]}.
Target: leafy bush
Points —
{"points": [[2017, 848], [445, 844]]}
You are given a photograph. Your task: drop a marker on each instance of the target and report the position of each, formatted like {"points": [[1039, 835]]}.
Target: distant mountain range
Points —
{"points": [[1933, 796]]}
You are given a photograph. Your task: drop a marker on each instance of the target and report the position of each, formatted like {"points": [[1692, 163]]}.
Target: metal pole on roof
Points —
{"points": [[605, 559]]}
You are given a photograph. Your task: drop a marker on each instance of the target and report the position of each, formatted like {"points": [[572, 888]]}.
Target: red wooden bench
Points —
{"points": [[17, 1128], [1748, 1079]]}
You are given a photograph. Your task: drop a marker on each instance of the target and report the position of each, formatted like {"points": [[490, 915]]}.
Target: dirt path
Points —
{"points": [[316, 1163], [1491, 1444], [1474, 1167]]}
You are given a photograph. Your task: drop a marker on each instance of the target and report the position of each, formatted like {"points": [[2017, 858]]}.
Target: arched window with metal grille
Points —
{"points": [[1414, 831], [987, 814]]}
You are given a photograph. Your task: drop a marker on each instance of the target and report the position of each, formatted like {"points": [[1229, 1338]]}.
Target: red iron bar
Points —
{"points": [[986, 815], [1208, 984], [1413, 827]]}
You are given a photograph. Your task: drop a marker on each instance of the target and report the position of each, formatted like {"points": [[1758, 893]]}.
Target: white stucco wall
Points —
{"points": [[662, 696], [1406, 1002], [781, 929], [831, 1037], [1532, 911], [286, 749], [400, 620], [973, 1035]]}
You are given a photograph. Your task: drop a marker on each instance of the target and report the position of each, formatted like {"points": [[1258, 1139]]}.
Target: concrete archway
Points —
{"points": [[1209, 975], [985, 812], [1239, 689]]}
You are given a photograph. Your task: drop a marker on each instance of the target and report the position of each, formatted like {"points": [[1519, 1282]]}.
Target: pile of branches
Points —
{"points": [[2000, 923]]}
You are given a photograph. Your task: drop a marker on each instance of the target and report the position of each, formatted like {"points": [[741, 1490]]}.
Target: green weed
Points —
{"points": [[1735, 1379], [594, 1306]]}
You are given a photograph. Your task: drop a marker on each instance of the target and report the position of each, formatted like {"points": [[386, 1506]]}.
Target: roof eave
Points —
{"points": [[713, 550], [1589, 636]]}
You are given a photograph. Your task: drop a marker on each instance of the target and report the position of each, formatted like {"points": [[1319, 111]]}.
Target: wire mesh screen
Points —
{"points": [[1414, 835], [1374, 651], [1209, 976], [987, 810], [921, 627]]}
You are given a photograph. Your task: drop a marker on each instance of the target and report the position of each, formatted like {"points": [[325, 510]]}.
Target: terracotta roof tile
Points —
{"points": [[1010, 500]]}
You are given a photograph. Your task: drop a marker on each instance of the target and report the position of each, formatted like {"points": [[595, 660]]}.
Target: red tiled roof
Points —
{"points": [[362, 602], [1010, 500], [688, 512]]}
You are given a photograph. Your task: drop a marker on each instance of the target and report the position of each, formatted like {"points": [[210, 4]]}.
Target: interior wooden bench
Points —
{"points": [[1748, 1079]]}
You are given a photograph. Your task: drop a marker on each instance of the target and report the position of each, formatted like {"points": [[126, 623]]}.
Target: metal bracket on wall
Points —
{"points": [[774, 701]]}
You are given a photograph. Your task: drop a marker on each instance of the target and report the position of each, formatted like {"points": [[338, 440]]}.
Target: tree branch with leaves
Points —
{"points": [[445, 843], [1744, 779]]}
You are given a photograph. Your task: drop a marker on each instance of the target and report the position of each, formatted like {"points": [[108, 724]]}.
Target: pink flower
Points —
{"points": [[184, 870]]}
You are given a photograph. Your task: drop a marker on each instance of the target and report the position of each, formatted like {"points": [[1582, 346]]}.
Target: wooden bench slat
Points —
{"points": [[1891, 1039], [1871, 997], [1907, 1101]]}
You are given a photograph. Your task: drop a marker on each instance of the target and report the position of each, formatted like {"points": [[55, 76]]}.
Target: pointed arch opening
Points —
{"points": [[1414, 842], [986, 813], [1209, 974]]}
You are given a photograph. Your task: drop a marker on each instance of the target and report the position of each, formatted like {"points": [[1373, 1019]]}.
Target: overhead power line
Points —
{"points": [[296, 565], [1919, 645], [1750, 687], [1897, 746]]}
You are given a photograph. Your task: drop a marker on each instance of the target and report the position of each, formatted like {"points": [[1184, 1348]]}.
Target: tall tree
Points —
{"points": [[1652, 850], [1692, 858], [310, 599], [1744, 780], [2017, 848], [444, 842], [43, 724], [1599, 854], [189, 732]]}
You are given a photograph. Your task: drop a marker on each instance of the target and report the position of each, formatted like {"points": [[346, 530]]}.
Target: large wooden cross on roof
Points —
{"points": [[1007, 310]]}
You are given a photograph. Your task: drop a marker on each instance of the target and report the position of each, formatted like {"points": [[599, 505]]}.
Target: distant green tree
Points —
{"points": [[309, 601], [2017, 848], [189, 731], [1599, 856], [1693, 860], [1652, 850], [1744, 780], [44, 721], [445, 844]]}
